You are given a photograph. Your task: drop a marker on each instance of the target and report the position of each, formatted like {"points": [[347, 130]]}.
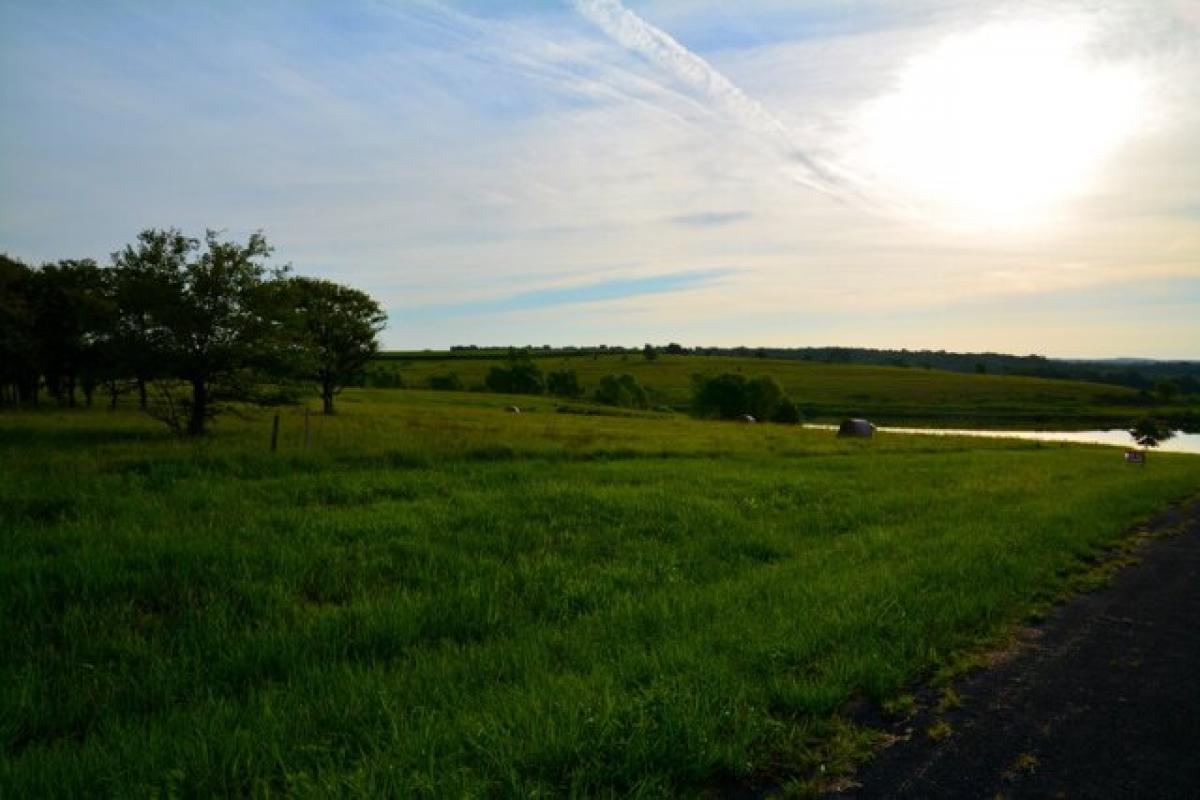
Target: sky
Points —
{"points": [[1014, 176]]}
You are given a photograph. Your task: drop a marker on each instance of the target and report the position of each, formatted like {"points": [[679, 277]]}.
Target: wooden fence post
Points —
{"points": [[275, 433], [307, 431]]}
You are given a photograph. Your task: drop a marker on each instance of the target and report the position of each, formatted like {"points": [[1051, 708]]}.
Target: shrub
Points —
{"points": [[520, 376], [723, 396], [763, 396], [730, 396], [564, 383], [787, 413], [446, 382], [621, 390], [385, 379]]}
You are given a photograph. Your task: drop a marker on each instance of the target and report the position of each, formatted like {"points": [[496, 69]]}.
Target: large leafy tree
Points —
{"points": [[145, 278], [337, 329], [213, 319]]}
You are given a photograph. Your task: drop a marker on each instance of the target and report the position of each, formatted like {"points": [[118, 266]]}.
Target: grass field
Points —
{"points": [[440, 599], [828, 392]]}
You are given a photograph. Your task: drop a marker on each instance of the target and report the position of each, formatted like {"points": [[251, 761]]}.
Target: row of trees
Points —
{"points": [[725, 396], [731, 396], [189, 324], [520, 374]]}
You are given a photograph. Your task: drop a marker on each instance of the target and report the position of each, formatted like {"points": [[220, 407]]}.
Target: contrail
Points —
{"points": [[635, 34]]}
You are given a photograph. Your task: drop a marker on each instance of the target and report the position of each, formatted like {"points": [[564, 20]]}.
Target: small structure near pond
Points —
{"points": [[856, 427]]}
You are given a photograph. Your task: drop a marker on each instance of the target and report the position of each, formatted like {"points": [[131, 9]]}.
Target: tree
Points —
{"points": [[623, 391], [338, 328], [763, 396], [445, 382], [723, 396], [72, 318], [19, 370], [145, 275], [1149, 432], [788, 413], [729, 396], [216, 322], [649, 352], [520, 376], [564, 383]]}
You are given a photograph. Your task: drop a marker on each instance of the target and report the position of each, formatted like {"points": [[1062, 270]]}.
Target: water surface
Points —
{"points": [[1179, 443]]}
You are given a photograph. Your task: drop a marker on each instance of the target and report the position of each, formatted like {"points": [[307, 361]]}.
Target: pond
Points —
{"points": [[1179, 443]]}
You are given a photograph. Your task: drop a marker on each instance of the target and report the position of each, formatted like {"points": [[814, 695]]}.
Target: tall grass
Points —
{"points": [[441, 599]]}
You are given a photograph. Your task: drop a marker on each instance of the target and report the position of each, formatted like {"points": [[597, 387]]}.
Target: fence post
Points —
{"points": [[275, 433], [307, 431]]}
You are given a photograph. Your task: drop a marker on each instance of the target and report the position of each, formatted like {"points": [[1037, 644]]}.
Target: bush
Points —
{"points": [[385, 379], [447, 382], [521, 376], [564, 383], [730, 396], [787, 413], [621, 390], [723, 397], [763, 396]]}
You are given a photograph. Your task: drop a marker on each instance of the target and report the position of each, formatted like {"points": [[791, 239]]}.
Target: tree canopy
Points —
{"points": [[337, 329], [199, 323]]}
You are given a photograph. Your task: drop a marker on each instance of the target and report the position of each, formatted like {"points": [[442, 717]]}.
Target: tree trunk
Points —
{"points": [[327, 400], [199, 407]]}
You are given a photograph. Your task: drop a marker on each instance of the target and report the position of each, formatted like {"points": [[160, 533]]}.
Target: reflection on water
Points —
{"points": [[1180, 442]]}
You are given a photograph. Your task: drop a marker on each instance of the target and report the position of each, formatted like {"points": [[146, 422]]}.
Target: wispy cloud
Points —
{"points": [[710, 219], [601, 291], [657, 46]]}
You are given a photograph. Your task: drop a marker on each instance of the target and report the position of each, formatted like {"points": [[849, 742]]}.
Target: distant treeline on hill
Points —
{"points": [[1163, 377]]}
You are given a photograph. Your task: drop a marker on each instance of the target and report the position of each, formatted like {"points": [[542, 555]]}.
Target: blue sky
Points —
{"points": [[919, 174]]}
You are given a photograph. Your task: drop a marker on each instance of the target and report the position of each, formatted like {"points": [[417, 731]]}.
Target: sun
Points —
{"points": [[999, 126]]}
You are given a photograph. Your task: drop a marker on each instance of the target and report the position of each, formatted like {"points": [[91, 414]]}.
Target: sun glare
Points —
{"points": [[999, 126]]}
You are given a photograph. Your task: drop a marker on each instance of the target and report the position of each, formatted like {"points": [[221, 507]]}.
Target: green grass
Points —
{"points": [[830, 392], [441, 599]]}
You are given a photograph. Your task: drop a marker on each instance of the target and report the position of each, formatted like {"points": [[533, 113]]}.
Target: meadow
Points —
{"points": [[828, 392], [437, 598]]}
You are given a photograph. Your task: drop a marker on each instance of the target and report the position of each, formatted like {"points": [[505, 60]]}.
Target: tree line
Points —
{"points": [[1162, 380], [189, 325], [724, 396]]}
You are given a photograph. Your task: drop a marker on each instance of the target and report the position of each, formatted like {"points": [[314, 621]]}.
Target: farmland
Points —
{"points": [[437, 598], [827, 392]]}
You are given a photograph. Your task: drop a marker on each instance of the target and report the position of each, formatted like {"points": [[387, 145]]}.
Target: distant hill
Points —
{"points": [[1174, 377], [1141, 374], [917, 392]]}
